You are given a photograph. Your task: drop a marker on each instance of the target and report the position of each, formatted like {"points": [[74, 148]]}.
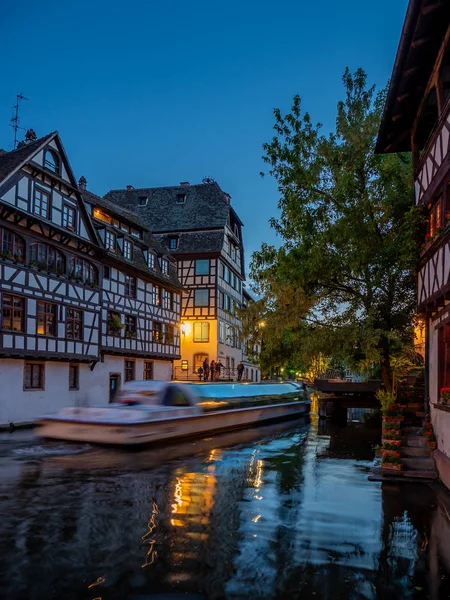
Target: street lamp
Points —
{"points": [[185, 328]]}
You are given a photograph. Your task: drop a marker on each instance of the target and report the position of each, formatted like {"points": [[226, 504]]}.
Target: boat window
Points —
{"points": [[175, 397]]}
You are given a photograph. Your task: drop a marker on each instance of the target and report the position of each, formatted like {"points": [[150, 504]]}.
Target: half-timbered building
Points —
{"points": [[200, 228], [417, 119], [56, 343]]}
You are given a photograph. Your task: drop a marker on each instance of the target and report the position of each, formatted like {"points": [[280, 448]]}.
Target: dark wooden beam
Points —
{"points": [[420, 42]]}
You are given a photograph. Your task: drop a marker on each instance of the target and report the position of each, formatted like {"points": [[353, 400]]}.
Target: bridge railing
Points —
{"points": [[190, 374]]}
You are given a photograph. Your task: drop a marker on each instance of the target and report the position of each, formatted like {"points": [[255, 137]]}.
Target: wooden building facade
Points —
{"points": [[88, 297], [417, 119]]}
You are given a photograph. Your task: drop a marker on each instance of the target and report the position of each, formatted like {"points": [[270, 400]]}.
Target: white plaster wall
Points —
{"points": [[439, 418]]}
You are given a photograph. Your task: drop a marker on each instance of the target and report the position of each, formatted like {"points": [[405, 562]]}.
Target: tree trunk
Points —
{"points": [[386, 370]]}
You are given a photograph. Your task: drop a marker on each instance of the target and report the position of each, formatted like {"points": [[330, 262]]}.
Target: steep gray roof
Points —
{"points": [[148, 240], [10, 161], [192, 242], [206, 206]]}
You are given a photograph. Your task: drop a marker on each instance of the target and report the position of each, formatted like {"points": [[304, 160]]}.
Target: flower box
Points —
{"points": [[397, 419], [432, 445], [389, 453], [391, 467], [389, 432]]}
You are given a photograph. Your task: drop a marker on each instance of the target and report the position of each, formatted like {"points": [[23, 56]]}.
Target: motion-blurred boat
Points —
{"points": [[155, 411]]}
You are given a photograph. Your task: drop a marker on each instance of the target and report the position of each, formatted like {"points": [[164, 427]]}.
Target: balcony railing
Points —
{"points": [[190, 374]]}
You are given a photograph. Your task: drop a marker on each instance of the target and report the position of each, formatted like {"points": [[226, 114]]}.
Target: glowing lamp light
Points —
{"points": [[185, 328], [262, 323]]}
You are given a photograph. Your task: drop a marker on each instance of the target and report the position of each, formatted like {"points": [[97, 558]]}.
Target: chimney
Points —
{"points": [[30, 136], [130, 187], [184, 183], [82, 183]]}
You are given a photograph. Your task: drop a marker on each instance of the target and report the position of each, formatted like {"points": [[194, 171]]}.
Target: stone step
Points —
{"points": [[417, 451], [403, 476], [421, 474], [415, 441], [418, 464], [412, 431]]}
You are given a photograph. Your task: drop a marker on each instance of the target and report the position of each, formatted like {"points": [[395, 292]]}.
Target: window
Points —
{"points": [[156, 295], [13, 313], [11, 245], [181, 198], [106, 273], [130, 286], [170, 334], [167, 299], [47, 257], [151, 261], [184, 365], [69, 218], [435, 219], [129, 370], [114, 323], [148, 370], [201, 332], [221, 332], [225, 302], [33, 376], [46, 318], [173, 243], [124, 227], [165, 267], [74, 324], [82, 270], [51, 161], [157, 332], [232, 362], [201, 298], [135, 233], [202, 267], [110, 241], [127, 249], [41, 203], [444, 356], [102, 216], [142, 200], [130, 326], [74, 372]]}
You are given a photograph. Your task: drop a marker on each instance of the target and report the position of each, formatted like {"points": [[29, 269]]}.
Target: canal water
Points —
{"points": [[284, 511]]}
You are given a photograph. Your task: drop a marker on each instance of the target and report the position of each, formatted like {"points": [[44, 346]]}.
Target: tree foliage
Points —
{"points": [[342, 282]]}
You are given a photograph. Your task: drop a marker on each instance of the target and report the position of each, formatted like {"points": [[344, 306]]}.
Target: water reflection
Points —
{"points": [[281, 512]]}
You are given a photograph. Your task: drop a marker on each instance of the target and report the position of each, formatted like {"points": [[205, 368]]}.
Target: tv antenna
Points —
{"points": [[14, 122]]}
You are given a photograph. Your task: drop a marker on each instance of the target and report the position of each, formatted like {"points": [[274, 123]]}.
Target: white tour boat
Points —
{"points": [[155, 411]]}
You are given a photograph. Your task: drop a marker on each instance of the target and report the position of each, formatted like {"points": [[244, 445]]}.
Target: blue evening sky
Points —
{"points": [[153, 93]]}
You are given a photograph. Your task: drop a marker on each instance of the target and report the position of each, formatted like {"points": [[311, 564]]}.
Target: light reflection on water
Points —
{"points": [[285, 511]]}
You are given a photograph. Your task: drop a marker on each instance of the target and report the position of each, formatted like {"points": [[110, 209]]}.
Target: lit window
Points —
{"points": [[151, 261], [46, 318], [127, 249], [41, 203], [51, 161], [110, 241], [74, 324], [157, 332], [181, 198], [130, 326], [124, 227], [156, 295], [74, 377], [33, 376], [102, 216], [69, 217], [201, 298], [13, 312], [201, 332], [167, 298], [202, 267]]}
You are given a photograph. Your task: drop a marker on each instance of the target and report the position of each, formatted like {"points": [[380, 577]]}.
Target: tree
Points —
{"points": [[343, 280]]}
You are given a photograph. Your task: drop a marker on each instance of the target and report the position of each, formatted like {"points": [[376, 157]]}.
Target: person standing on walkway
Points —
{"points": [[240, 370], [218, 367], [212, 369], [206, 369]]}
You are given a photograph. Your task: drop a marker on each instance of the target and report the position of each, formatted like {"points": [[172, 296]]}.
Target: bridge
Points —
{"points": [[340, 387]]}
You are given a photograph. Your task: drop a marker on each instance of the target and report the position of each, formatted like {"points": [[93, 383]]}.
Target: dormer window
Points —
{"points": [[181, 198], [127, 249], [173, 243], [165, 267], [102, 216], [110, 241], [51, 161], [151, 261], [142, 200]]}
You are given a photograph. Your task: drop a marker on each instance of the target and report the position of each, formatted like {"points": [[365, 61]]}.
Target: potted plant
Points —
{"points": [[393, 414], [115, 324], [391, 436], [391, 462], [444, 395], [431, 441], [391, 448]]}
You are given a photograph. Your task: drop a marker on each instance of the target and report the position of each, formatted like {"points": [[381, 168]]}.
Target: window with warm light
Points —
{"points": [[102, 216], [156, 295], [201, 331], [148, 370], [435, 219], [13, 313], [46, 318], [157, 331], [167, 298]]}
